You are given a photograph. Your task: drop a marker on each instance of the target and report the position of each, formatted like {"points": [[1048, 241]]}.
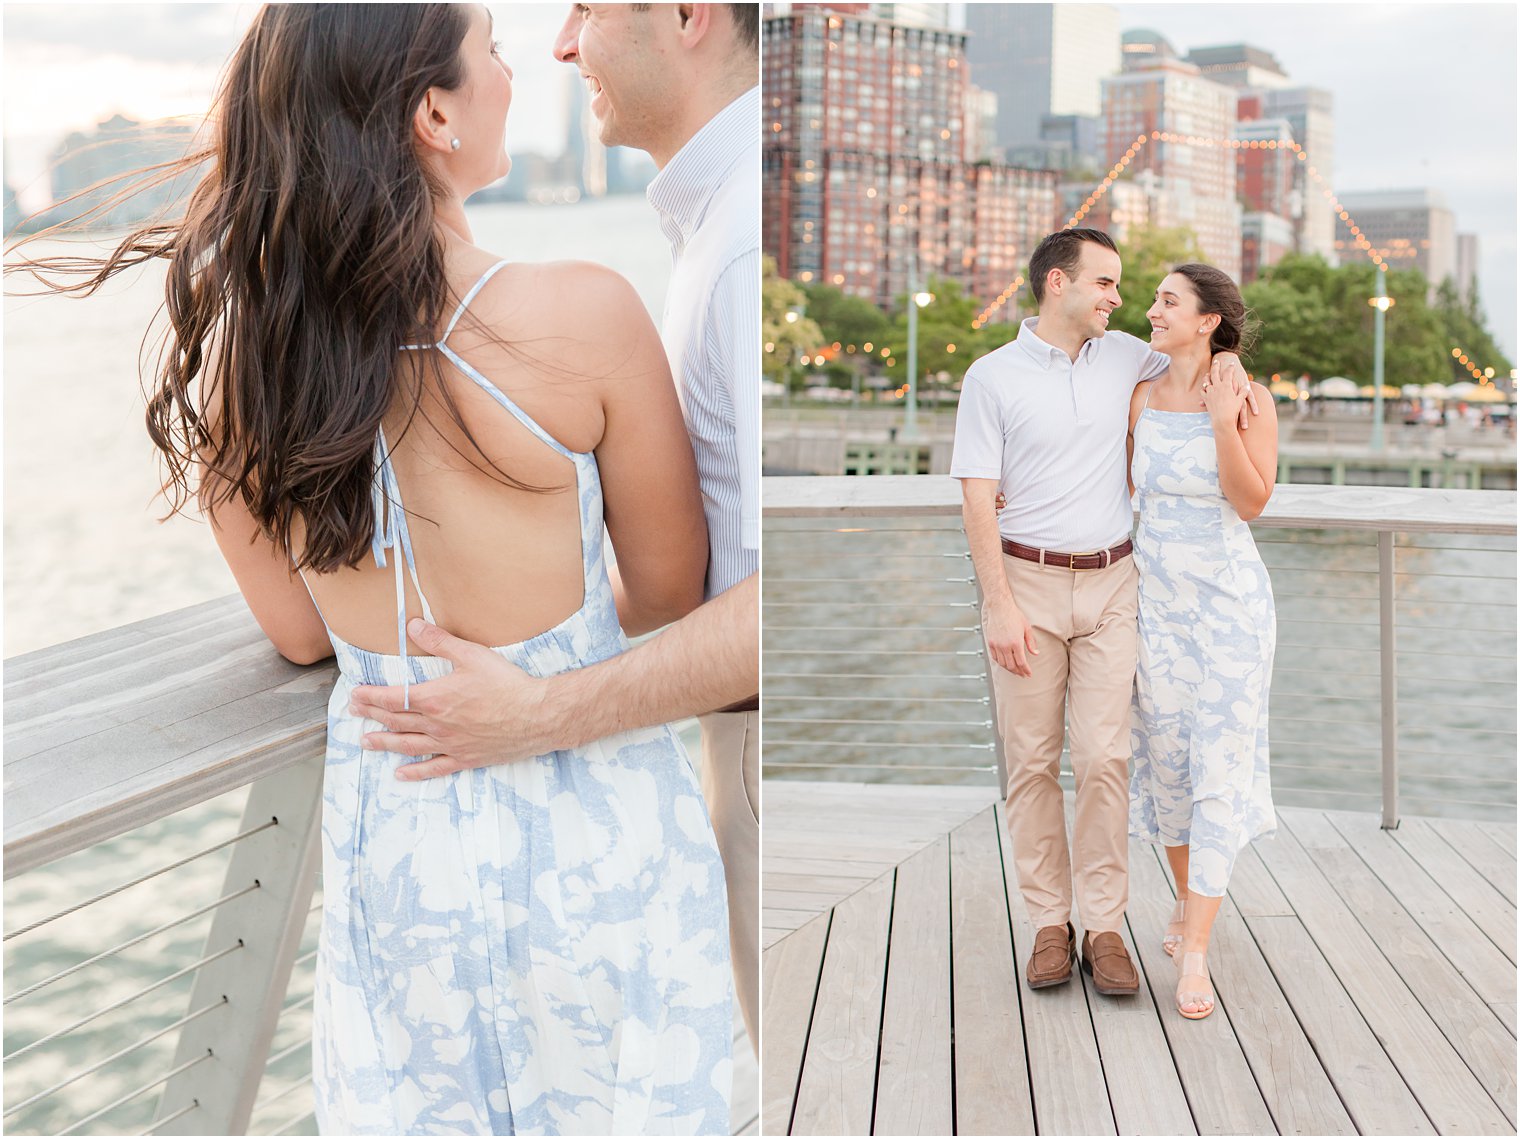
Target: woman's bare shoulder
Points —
{"points": [[572, 300]]}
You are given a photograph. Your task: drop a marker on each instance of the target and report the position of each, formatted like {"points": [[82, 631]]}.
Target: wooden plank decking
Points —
{"points": [[1366, 981]]}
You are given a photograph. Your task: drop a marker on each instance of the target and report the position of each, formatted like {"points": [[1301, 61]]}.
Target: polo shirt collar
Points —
{"points": [[1046, 354], [680, 193]]}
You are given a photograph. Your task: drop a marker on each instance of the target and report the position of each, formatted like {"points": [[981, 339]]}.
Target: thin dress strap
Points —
{"points": [[1149, 384], [391, 533], [474, 373]]}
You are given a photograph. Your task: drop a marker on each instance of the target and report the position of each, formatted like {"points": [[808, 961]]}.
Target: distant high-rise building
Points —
{"points": [[916, 15], [871, 160], [113, 153], [1410, 229], [1467, 263], [1239, 65], [1267, 96], [1265, 182], [1041, 59], [1070, 143], [1195, 182], [981, 125], [1265, 239]]}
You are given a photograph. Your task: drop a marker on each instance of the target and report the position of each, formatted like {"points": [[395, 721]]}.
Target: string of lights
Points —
{"points": [[1134, 149], [1482, 375]]}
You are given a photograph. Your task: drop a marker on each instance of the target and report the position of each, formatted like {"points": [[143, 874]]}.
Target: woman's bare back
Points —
{"points": [[498, 563]]}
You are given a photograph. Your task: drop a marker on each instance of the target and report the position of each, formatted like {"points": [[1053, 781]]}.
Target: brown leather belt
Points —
{"points": [[752, 704], [1099, 559]]}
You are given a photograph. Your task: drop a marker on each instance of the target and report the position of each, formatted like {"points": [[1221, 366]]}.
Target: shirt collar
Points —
{"points": [[680, 192], [1046, 354]]}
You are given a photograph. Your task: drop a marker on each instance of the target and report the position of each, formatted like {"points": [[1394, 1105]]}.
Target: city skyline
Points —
{"points": [[1388, 67], [1391, 69]]}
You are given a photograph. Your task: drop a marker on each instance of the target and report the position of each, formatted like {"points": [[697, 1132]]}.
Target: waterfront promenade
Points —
{"points": [[1365, 957], [1365, 981]]}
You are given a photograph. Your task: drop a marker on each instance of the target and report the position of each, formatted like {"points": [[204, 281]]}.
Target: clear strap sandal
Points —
{"points": [[1194, 987], [1173, 936]]}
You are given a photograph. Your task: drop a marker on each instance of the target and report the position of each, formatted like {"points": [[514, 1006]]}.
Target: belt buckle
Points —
{"points": [[1107, 555]]}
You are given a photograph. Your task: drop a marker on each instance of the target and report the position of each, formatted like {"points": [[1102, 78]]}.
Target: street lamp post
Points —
{"points": [[1380, 306], [916, 301]]}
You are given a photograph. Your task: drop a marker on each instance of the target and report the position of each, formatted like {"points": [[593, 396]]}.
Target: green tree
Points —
{"points": [[946, 340], [784, 341], [1464, 326], [845, 318], [1293, 309]]}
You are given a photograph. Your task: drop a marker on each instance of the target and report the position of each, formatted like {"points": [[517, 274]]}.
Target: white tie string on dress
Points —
{"points": [[391, 533]]}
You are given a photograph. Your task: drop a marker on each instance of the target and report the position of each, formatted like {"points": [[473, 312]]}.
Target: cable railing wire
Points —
{"points": [[139, 939], [170, 1118], [144, 878], [167, 1076], [99, 1064], [97, 1014]]}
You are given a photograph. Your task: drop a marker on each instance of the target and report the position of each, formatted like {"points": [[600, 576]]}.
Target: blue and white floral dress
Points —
{"points": [[537, 947], [1208, 629]]}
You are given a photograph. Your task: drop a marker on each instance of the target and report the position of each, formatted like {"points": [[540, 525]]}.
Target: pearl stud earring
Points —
{"points": [[454, 144]]}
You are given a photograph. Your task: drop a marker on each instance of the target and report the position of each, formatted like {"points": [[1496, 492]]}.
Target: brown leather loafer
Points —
{"points": [[1105, 959], [1055, 948]]}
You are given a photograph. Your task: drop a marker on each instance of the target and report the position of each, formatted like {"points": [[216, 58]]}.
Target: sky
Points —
{"points": [[1425, 94], [68, 66]]}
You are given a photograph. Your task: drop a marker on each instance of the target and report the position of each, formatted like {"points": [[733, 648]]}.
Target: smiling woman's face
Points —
{"points": [[484, 98]]}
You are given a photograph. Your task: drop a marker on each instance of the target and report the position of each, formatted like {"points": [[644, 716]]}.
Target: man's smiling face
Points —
{"points": [[615, 48], [1091, 292]]}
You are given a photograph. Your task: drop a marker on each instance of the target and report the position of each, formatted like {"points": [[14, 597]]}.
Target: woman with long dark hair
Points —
{"points": [[382, 420], [1201, 788]]}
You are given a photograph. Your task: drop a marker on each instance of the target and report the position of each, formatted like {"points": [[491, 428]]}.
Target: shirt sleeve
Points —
{"points": [[736, 362], [1153, 364], [978, 452]]}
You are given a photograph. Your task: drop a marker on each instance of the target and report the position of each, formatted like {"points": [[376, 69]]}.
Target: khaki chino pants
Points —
{"points": [[731, 786], [1084, 624]]}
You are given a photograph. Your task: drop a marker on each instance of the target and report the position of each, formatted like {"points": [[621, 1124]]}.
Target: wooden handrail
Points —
{"points": [[1399, 509], [111, 731]]}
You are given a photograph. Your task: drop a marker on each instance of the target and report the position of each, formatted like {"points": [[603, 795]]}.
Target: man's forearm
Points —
{"points": [[985, 543], [707, 660]]}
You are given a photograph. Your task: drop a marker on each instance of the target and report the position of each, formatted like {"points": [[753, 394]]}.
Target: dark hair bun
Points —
{"points": [[1219, 296]]}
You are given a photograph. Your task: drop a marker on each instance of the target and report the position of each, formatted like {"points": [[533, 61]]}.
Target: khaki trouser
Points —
{"points": [[731, 786], [1084, 624]]}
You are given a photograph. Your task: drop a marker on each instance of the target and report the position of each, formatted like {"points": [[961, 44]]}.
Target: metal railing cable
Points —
{"points": [[98, 1013], [165, 1078], [139, 939], [170, 1118], [141, 879], [130, 1048]]}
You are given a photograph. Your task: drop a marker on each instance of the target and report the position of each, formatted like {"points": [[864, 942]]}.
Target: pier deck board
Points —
{"points": [[1365, 983]]}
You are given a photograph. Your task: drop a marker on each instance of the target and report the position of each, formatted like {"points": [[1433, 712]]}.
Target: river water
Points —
{"points": [[873, 668]]}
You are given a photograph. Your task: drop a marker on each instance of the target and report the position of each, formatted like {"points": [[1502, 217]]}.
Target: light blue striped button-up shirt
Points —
{"points": [[708, 199]]}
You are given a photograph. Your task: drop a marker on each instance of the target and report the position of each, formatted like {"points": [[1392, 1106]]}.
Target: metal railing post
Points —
{"points": [[1388, 674], [269, 923]]}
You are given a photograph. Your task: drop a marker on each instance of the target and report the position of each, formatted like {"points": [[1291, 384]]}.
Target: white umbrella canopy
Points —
{"points": [[1411, 390], [1434, 391], [1337, 387], [1461, 390]]}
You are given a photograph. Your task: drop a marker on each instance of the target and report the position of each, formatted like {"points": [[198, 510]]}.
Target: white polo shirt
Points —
{"points": [[1052, 431], [708, 199]]}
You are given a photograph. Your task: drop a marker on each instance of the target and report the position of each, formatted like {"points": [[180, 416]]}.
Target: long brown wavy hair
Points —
{"points": [[306, 257]]}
